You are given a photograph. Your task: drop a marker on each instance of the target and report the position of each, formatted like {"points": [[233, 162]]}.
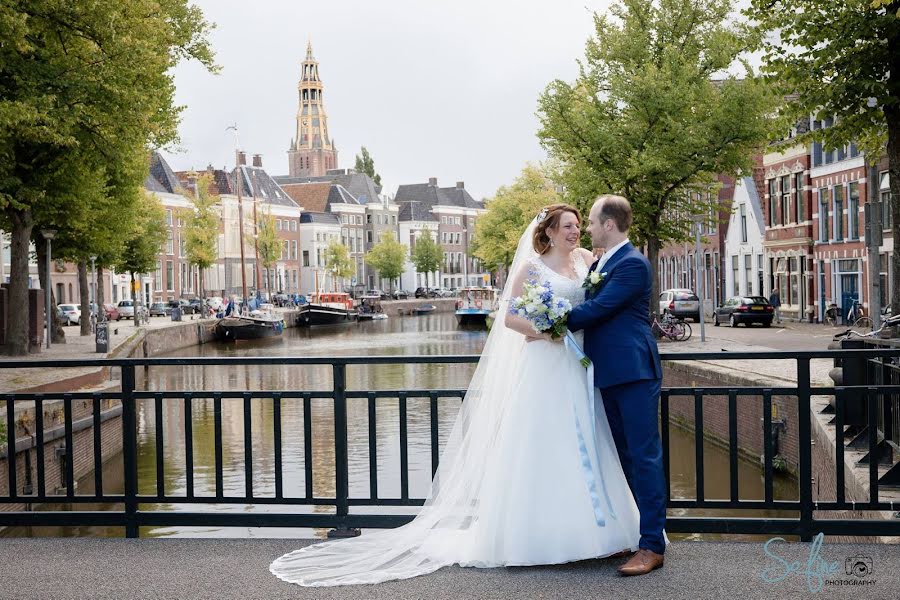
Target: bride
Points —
{"points": [[530, 474]]}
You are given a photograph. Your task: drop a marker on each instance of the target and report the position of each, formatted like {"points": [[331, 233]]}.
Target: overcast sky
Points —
{"points": [[432, 89]]}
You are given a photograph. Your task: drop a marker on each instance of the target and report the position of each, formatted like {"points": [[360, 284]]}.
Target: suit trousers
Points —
{"points": [[632, 411]]}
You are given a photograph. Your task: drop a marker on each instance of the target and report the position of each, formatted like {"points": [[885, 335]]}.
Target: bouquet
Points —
{"points": [[546, 311]]}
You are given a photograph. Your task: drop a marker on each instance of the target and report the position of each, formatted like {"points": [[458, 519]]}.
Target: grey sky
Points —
{"points": [[432, 89]]}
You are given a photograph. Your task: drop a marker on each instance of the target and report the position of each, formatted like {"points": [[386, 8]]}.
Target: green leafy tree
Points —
{"points": [[365, 164], [147, 232], [268, 244], [651, 115], [427, 255], [201, 228], [508, 214], [338, 262], [388, 257], [840, 60], [82, 83]]}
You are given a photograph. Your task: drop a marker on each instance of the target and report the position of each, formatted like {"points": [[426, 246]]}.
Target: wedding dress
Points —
{"points": [[530, 474]]}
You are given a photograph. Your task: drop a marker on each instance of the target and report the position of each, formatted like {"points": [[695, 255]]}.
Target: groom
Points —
{"points": [[627, 371]]}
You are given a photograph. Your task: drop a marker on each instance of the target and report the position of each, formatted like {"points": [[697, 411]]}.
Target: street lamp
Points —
{"points": [[48, 234], [94, 289]]}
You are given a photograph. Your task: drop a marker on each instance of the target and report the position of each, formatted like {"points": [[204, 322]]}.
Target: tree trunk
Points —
{"points": [[202, 291], [101, 293], [17, 315], [58, 335], [892, 115], [653, 257], [84, 295]]}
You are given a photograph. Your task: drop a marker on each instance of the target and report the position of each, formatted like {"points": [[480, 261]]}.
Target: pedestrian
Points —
{"points": [[775, 301]]}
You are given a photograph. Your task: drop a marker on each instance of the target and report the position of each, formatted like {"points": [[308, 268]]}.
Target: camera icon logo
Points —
{"points": [[860, 566]]}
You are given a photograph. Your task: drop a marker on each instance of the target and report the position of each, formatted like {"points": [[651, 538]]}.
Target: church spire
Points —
{"points": [[312, 153]]}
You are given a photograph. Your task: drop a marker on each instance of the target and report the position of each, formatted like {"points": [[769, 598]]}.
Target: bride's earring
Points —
{"points": [[551, 243]]}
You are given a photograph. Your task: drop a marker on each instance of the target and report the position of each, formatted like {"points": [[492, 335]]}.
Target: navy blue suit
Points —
{"points": [[627, 371]]}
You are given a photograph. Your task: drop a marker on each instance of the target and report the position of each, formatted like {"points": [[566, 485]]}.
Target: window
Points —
{"points": [[369, 236], [157, 281], [306, 258], [293, 249], [885, 189], [785, 199], [823, 214], [359, 220], [773, 195], [170, 276], [169, 217], [293, 225], [170, 242], [458, 237], [277, 224], [368, 219], [798, 198], [748, 272], [181, 251], [735, 275], [393, 220], [853, 212], [838, 212], [744, 223]]}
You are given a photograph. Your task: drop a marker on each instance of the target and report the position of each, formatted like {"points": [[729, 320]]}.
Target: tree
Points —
{"points": [[840, 60], [388, 257], [268, 244], [85, 88], [201, 228], [365, 164], [147, 232], [427, 255], [508, 214], [338, 262], [653, 116]]}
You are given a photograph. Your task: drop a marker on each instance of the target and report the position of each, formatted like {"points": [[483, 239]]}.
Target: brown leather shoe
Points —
{"points": [[642, 563], [621, 554]]}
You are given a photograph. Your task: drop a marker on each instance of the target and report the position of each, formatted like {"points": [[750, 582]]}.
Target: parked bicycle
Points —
{"points": [[852, 333], [670, 327], [857, 318]]}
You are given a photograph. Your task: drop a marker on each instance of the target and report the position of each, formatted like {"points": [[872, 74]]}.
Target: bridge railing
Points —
{"points": [[26, 479]]}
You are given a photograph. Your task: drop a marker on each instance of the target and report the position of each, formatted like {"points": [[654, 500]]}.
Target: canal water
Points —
{"points": [[435, 334]]}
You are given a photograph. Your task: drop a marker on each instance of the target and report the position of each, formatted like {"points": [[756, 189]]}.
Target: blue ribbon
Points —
{"points": [[587, 461]]}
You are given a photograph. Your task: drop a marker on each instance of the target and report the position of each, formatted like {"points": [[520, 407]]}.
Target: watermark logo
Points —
{"points": [[817, 570]]}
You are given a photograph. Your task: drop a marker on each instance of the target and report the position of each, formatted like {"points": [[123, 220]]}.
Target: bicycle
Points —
{"points": [[853, 333], [858, 318], [670, 328]]}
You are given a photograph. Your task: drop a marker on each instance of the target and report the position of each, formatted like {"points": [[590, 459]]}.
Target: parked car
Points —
{"points": [[196, 304], [215, 302], [380, 293], [69, 314], [160, 309], [184, 304], [746, 310], [401, 294], [445, 293], [425, 292], [126, 309], [112, 313], [680, 303]]}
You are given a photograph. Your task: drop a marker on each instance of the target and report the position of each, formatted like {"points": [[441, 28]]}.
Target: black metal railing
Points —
{"points": [[800, 519]]}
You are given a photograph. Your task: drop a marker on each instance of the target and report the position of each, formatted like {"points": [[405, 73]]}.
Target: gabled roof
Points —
{"points": [[417, 200], [255, 179], [750, 185], [311, 196], [360, 185], [319, 217], [161, 178]]}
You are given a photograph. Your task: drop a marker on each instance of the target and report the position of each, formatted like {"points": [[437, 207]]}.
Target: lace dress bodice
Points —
{"points": [[562, 286]]}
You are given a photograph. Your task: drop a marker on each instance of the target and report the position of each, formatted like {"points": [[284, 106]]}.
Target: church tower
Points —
{"points": [[312, 151]]}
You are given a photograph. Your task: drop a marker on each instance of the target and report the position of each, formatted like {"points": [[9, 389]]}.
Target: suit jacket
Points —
{"points": [[615, 320]]}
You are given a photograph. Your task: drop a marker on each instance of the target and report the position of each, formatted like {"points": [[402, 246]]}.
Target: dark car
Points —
{"points": [[746, 310], [186, 307], [401, 294], [424, 292], [160, 309]]}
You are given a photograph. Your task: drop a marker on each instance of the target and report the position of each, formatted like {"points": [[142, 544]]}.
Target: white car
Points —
{"points": [[69, 314], [681, 302], [126, 309]]}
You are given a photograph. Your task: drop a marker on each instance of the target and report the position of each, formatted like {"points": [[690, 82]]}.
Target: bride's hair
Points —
{"points": [[549, 218]]}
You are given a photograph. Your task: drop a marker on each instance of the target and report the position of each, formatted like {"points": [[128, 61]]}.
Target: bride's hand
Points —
{"points": [[543, 336]]}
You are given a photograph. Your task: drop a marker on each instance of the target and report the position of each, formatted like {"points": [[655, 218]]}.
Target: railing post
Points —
{"points": [[804, 409], [341, 459], [129, 451]]}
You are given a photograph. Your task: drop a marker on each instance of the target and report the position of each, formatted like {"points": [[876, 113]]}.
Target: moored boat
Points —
{"points": [[326, 308], [369, 309], [261, 323], [424, 309], [474, 304]]}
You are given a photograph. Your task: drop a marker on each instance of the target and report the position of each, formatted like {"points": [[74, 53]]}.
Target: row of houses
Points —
{"points": [[309, 213], [796, 224]]}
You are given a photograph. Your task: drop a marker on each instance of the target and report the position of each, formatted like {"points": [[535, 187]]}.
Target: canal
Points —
{"points": [[435, 334]]}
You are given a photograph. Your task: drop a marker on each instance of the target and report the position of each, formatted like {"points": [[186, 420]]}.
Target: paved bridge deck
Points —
{"points": [[238, 568]]}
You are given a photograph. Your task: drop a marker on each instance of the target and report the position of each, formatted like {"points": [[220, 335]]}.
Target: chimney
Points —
{"points": [[432, 181], [242, 157], [257, 160], [460, 185]]}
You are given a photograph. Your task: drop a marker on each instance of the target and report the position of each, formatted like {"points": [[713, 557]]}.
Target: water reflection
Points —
{"points": [[429, 335]]}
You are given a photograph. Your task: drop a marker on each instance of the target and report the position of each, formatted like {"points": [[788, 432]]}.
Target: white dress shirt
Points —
{"points": [[609, 254]]}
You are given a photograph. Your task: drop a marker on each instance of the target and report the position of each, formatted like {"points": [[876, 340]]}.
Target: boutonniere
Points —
{"points": [[593, 281]]}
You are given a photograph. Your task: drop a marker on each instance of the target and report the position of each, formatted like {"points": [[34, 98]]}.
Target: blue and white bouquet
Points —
{"points": [[546, 311]]}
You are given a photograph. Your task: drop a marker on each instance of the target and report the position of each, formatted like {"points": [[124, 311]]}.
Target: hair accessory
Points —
{"points": [[541, 215]]}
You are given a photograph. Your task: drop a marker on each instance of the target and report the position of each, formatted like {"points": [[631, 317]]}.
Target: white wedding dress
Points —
{"points": [[525, 479]]}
